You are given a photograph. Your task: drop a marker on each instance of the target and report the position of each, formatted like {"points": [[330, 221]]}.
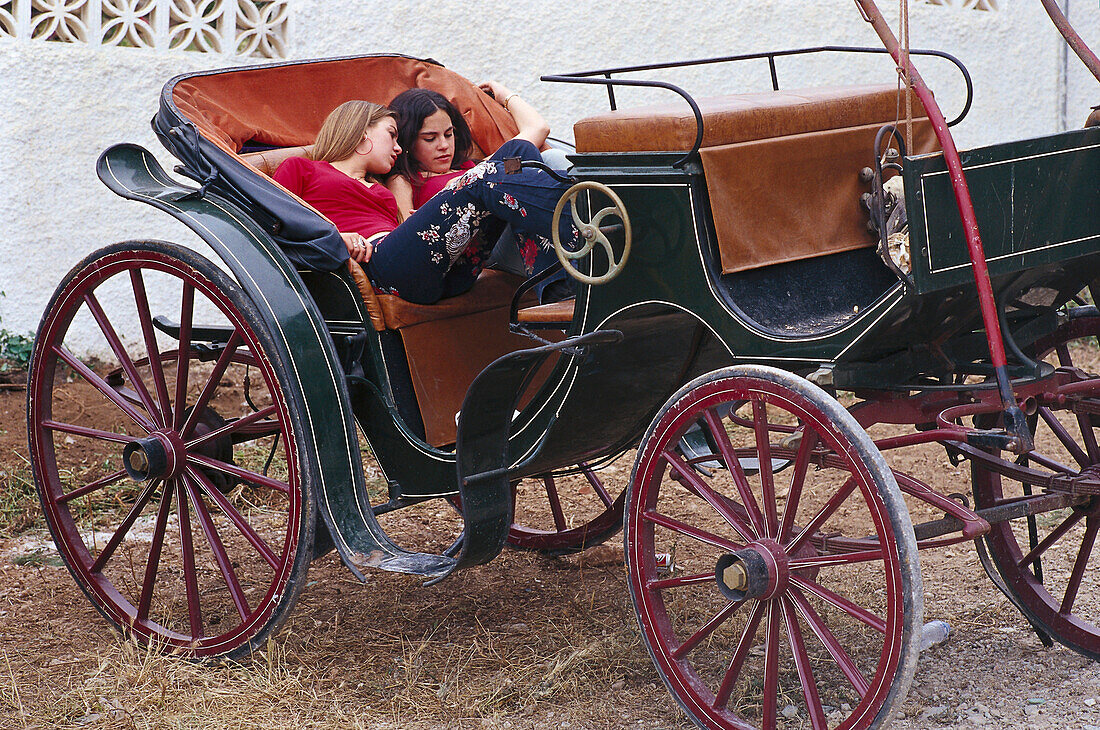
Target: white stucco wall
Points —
{"points": [[62, 104]]}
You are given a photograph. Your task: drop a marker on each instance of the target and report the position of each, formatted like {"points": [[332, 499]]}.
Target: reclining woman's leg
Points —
{"points": [[440, 250]]}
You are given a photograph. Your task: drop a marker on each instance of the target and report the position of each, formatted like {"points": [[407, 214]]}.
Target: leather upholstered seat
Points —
{"points": [[782, 167]]}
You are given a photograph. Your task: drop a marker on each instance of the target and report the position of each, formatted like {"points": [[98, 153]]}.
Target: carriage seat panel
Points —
{"points": [[794, 197], [268, 161], [739, 118]]}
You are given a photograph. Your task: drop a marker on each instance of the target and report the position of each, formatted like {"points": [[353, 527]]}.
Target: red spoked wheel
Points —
{"points": [[170, 472], [563, 515], [1049, 561], [782, 588]]}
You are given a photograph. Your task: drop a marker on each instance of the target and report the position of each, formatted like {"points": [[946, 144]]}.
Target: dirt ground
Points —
{"points": [[526, 641]]}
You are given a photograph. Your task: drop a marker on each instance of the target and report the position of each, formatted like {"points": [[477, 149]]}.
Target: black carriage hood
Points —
{"points": [[308, 239]]}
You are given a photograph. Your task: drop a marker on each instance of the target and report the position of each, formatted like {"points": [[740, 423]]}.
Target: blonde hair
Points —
{"points": [[344, 129]]}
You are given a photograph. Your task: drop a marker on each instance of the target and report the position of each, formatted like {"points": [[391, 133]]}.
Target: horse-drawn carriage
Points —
{"points": [[730, 291]]}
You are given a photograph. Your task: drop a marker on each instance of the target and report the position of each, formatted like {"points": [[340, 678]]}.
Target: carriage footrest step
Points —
{"points": [[424, 564]]}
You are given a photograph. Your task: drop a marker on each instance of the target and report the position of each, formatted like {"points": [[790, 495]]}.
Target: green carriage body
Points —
{"points": [[700, 321]]}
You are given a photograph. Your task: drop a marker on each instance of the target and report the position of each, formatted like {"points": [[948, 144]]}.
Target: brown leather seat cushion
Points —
{"points": [[738, 118], [492, 290], [794, 197]]}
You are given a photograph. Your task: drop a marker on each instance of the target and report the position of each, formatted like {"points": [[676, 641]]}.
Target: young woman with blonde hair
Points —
{"points": [[440, 249]]}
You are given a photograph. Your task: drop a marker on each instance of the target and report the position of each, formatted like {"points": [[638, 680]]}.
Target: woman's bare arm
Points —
{"points": [[402, 191], [532, 127]]}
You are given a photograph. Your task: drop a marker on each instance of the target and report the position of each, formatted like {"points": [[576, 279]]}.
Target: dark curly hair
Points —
{"points": [[413, 107]]}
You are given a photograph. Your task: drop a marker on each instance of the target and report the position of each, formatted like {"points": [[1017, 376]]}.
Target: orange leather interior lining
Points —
{"points": [[284, 105], [739, 118], [794, 197], [370, 298], [448, 343]]}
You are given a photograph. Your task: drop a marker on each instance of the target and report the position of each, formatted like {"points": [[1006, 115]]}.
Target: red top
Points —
{"points": [[351, 205], [431, 185]]}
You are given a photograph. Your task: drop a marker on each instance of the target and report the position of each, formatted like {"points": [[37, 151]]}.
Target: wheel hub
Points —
{"points": [[759, 571], [160, 455]]}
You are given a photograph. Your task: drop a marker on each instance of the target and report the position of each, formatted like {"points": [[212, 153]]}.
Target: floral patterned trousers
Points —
{"points": [[441, 248]]}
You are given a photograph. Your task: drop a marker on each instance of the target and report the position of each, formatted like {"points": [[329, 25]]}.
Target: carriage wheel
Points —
{"points": [[564, 515], [1049, 561], [784, 592], [173, 478]]}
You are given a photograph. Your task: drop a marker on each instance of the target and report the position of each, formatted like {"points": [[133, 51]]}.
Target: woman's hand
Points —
{"points": [[359, 248], [532, 127], [496, 90]]}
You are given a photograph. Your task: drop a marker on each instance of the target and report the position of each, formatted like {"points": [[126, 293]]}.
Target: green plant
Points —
{"points": [[15, 349]]}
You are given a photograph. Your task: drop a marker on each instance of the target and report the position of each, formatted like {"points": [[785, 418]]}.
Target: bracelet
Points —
{"points": [[508, 99]]}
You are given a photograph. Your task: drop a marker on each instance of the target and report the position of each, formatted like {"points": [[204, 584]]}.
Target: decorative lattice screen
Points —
{"points": [[229, 27]]}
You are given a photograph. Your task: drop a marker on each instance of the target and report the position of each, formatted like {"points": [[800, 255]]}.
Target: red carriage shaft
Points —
{"points": [[1014, 421]]}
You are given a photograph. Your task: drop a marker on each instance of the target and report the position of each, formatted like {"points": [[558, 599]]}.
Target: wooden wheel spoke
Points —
{"points": [[805, 669], [597, 485], [236, 518], [1079, 566], [221, 557], [251, 477], [680, 581], [691, 479], [141, 300], [106, 481], [824, 561], [152, 565], [822, 515], [771, 667], [1084, 423], [105, 390], [1054, 536], [124, 527], [1064, 437], [190, 573], [740, 654], [764, 457], [695, 533], [1049, 463], [92, 433], [124, 358], [798, 479], [233, 427], [733, 464], [211, 384], [554, 501], [183, 356], [847, 606], [825, 635], [707, 629]]}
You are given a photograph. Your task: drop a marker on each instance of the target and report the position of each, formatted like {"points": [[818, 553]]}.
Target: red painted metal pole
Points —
{"points": [[1075, 42], [988, 307]]}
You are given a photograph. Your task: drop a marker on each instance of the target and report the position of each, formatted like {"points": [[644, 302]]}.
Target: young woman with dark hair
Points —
{"points": [[439, 250], [436, 141]]}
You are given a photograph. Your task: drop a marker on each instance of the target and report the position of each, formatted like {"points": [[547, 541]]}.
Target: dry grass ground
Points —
{"points": [[524, 642]]}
